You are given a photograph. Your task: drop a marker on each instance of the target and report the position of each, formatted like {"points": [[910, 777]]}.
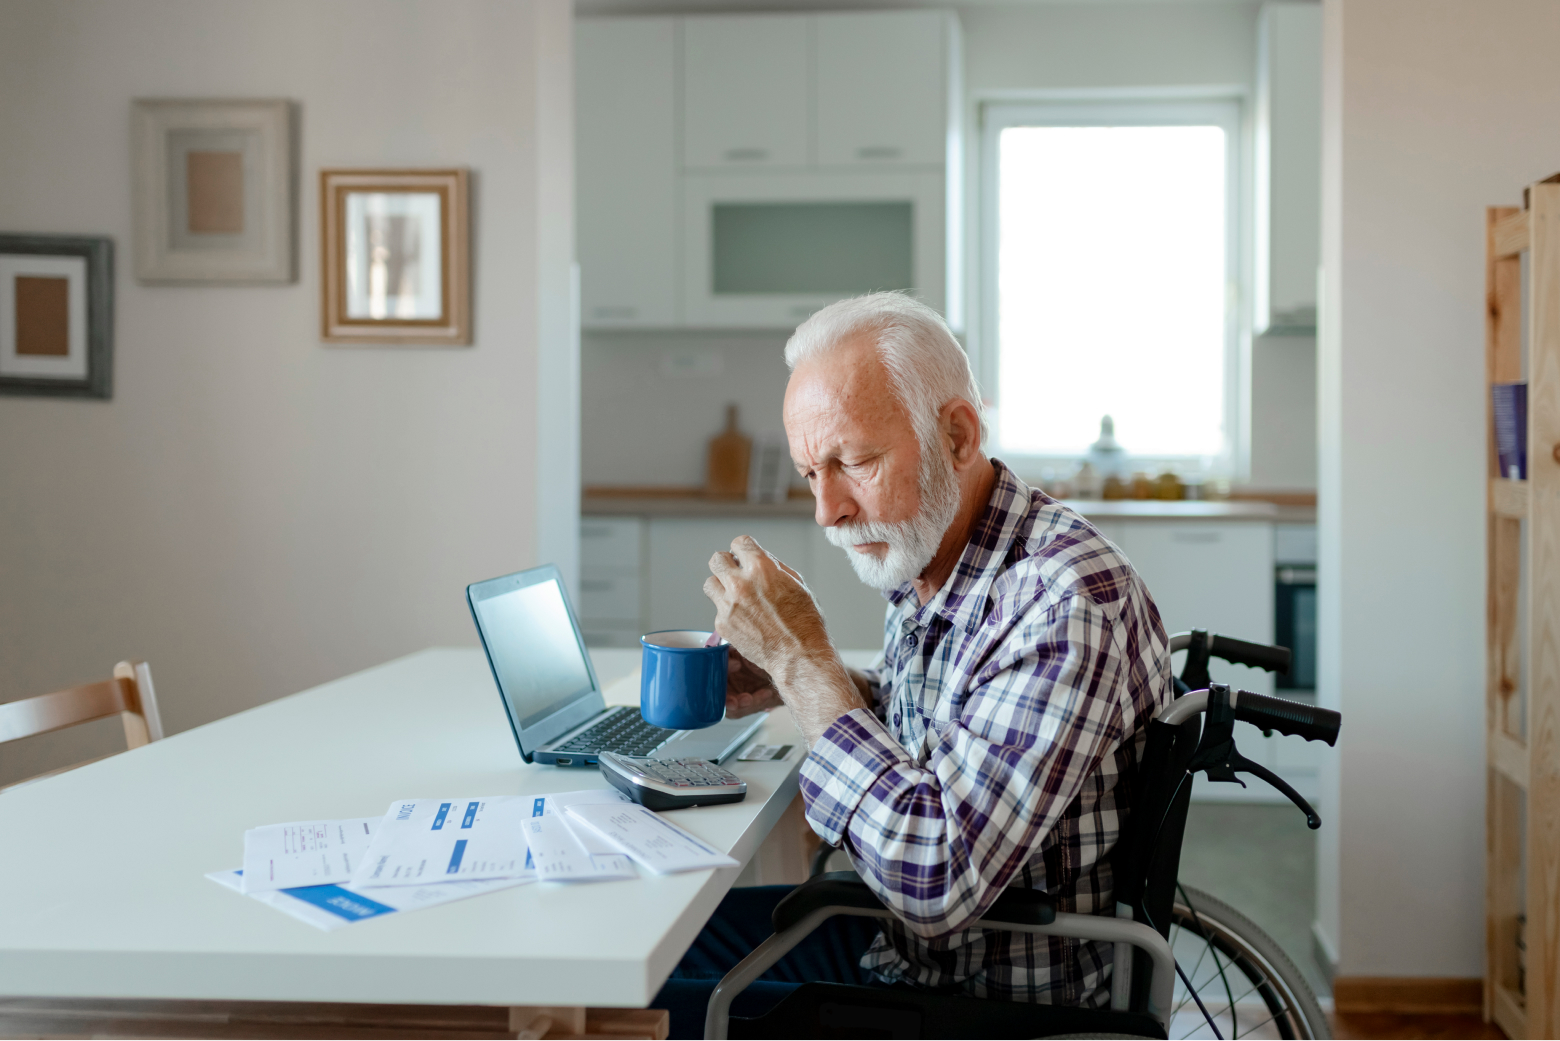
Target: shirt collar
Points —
{"points": [[962, 599]]}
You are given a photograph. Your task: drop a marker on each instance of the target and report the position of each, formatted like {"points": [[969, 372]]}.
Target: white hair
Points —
{"points": [[926, 365]]}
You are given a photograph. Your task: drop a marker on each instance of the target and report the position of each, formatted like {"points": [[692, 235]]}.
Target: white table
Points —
{"points": [[101, 869]]}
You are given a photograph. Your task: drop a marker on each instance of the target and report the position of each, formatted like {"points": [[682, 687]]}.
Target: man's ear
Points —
{"points": [[961, 428]]}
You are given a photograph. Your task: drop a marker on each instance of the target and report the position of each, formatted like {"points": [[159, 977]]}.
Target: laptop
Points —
{"points": [[549, 687]]}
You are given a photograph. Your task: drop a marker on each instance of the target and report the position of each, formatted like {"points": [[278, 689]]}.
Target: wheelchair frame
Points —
{"points": [[1179, 743]]}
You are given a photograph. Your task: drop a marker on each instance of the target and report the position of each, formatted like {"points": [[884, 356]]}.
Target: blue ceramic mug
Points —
{"points": [[682, 682]]}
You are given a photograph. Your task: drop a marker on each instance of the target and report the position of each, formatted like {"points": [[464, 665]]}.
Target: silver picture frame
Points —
{"points": [[215, 191]]}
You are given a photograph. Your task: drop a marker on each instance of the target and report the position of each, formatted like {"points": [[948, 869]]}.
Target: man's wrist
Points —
{"points": [[818, 690]]}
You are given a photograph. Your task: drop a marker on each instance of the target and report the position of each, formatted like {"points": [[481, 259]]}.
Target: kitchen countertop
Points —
{"points": [[696, 506]]}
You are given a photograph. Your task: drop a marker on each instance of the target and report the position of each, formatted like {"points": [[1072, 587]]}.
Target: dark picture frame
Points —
{"points": [[97, 253]]}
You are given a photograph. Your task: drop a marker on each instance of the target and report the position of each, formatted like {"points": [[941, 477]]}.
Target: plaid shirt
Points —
{"points": [[1009, 714]]}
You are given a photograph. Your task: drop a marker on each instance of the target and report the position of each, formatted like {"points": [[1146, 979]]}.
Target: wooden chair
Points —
{"points": [[129, 695]]}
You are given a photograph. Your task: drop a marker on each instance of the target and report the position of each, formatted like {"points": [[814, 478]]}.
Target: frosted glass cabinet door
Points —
{"points": [[745, 91], [882, 88], [626, 175]]}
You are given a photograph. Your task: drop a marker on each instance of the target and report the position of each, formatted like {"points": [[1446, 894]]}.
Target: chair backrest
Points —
{"points": [[129, 695]]}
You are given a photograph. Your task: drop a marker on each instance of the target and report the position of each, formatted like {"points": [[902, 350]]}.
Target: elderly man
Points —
{"points": [[996, 742]]}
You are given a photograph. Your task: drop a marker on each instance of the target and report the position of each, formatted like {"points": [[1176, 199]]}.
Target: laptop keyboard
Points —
{"points": [[625, 733]]}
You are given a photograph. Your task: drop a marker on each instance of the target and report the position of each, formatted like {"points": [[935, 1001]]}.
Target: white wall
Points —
{"points": [[1433, 110], [254, 512]]}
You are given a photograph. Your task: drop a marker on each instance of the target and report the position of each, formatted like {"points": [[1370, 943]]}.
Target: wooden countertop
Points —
{"points": [[687, 503]]}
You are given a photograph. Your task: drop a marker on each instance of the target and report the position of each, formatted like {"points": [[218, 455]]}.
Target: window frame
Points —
{"points": [[1225, 110]]}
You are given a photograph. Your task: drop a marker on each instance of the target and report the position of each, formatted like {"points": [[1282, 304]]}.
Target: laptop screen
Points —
{"points": [[536, 654]]}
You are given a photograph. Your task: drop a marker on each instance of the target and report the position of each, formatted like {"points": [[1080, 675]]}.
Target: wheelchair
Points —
{"points": [[1184, 963]]}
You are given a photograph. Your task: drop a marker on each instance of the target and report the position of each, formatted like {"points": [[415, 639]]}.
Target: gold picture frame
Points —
{"points": [[395, 257]]}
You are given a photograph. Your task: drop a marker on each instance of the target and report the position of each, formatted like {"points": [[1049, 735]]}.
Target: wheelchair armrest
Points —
{"points": [[846, 889]]}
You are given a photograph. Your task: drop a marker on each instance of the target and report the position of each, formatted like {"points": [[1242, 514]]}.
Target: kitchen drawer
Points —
{"points": [[610, 542], [609, 594]]}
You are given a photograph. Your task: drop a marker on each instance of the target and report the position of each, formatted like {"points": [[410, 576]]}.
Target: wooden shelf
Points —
{"points": [[1510, 234], [1522, 610], [1508, 498]]}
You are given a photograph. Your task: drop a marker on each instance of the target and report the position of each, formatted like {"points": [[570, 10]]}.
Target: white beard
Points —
{"points": [[912, 543]]}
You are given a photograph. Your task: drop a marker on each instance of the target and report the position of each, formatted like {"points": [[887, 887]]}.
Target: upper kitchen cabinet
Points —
{"points": [[745, 91], [742, 171], [883, 88], [1289, 167], [627, 171]]}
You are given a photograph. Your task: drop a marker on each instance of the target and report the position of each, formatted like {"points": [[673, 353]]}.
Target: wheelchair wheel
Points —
{"points": [[1245, 981]]}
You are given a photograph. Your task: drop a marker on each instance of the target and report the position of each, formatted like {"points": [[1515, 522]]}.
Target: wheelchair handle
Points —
{"points": [[1239, 652], [1263, 712]]}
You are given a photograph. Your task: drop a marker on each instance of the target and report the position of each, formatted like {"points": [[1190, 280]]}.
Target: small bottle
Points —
{"points": [[1142, 487], [1086, 482], [1168, 487], [1106, 454], [1115, 488]]}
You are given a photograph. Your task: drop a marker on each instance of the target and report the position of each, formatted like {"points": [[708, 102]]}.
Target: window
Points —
{"points": [[1112, 258]]}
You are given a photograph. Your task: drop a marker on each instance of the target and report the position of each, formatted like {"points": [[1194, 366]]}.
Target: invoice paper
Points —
{"points": [[446, 840], [565, 852], [304, 853], [652, 840], [331, 907]]}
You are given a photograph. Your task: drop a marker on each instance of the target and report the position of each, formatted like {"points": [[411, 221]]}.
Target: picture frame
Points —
{"points": [[395, 257], [56, 316], [214, 191]]}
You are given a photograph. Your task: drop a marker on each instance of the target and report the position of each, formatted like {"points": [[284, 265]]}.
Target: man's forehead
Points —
{"points": [[839, 398]]}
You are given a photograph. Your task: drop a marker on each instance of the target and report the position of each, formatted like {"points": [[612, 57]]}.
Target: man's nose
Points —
{"points": [[834, 504]]}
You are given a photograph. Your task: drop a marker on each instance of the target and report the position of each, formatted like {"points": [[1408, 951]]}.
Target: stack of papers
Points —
{"points": [[424, 852]]}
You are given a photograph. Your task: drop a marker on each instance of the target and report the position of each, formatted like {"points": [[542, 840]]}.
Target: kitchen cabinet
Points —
{"points": [[627, 171], [746, 91], [742, 171], [1289, 167], [882, 94], [611, 602], [679, 562]]}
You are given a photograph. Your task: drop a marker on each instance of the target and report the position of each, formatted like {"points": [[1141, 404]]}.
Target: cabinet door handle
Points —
{"points": [[879, 152], [1200, 537], [621, 314], [746, 155]]}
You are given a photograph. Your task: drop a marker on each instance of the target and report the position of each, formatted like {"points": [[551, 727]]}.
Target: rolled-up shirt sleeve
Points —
{"points": [[938, 841]]}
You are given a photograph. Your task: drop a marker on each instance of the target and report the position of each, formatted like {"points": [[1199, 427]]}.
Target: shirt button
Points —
{"points": [[896, 719]]}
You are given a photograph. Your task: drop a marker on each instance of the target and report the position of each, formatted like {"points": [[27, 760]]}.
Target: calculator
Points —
{"points": [[671, 784]]}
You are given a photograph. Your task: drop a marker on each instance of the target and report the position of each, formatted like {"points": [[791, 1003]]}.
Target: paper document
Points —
{"points": [[446, 840], [652, 840], [331, 907], [305, 853], [562, 851]]}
